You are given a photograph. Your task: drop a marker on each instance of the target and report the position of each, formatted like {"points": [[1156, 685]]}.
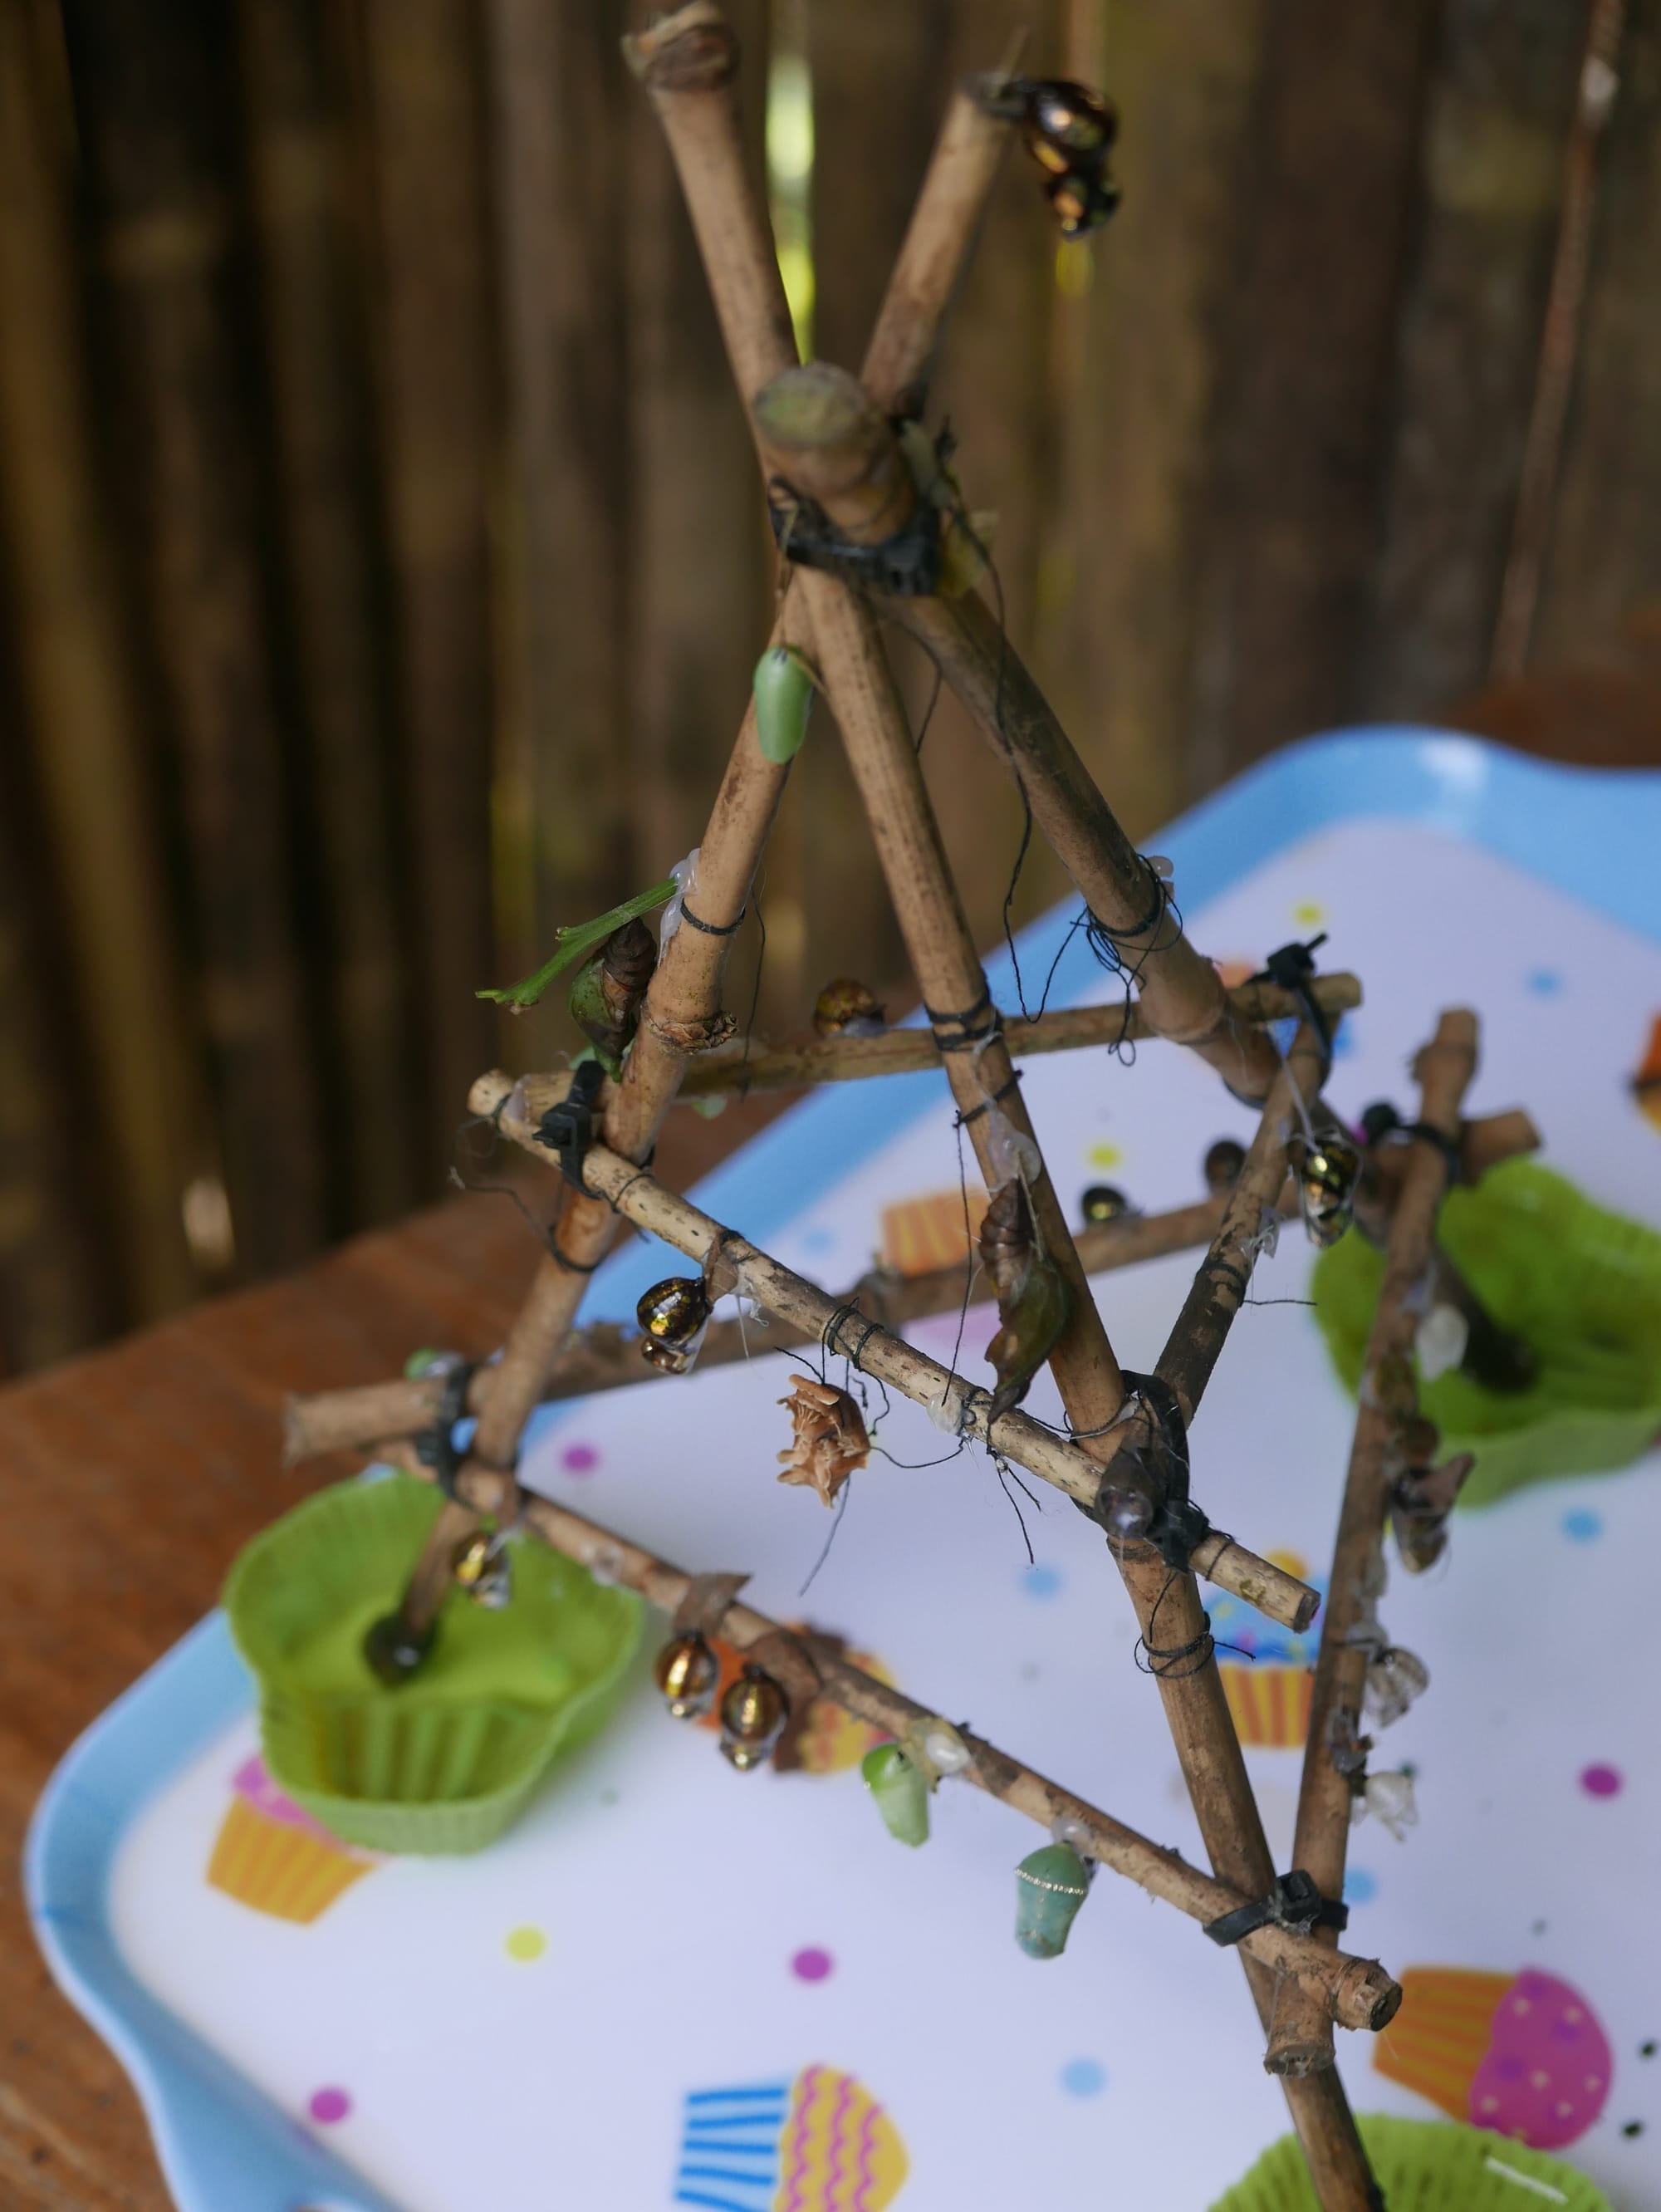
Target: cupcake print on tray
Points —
{"points": [[819, 2144], [272, 1856], [1523, 2054]]}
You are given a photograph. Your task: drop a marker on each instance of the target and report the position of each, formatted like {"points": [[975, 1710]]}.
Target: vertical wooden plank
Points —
{"points": [[51, 1299], [1150, 387], [76, 671], [152, 90], [879, 87], [564, 156], [319, 405], [698, 604], [425, 88], [1502, 93], [1604, 559], [1336, 138]]}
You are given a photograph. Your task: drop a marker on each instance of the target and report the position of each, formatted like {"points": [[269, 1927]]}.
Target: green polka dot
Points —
{"points": [[525, 1944]]}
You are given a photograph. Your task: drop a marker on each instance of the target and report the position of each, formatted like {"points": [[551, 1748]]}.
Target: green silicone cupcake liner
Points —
{"points": [[447, 1761], [1425, 2165], [1581, 1286]]}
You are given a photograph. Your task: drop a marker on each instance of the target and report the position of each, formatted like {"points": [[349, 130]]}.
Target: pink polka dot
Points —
{"points": [[811, 1965], [1601, 1781], [328, 2106], [579, 1459]]}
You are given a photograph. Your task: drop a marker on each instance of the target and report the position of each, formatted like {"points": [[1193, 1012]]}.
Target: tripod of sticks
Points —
{"points": [[831, 444]]}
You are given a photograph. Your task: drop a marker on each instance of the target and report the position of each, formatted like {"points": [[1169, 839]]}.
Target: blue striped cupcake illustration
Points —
{"points": [[820, 2142]]}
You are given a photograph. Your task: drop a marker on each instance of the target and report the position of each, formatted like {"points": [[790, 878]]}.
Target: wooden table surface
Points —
{"points": [[129, 1478]]}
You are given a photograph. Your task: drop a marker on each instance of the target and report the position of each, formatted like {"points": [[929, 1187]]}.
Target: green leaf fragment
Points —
{"points": [[571, 944]]}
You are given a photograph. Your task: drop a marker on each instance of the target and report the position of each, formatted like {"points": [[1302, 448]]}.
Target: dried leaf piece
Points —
{"points": [[1032, 1302], [830, 1441]]}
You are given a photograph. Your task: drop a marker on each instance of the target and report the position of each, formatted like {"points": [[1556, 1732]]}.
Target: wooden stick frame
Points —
{"points": [[1347, 1992], [847, 460]]}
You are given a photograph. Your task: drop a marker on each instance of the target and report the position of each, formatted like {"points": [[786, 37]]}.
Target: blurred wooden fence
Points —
{"points": [[381, 562]]}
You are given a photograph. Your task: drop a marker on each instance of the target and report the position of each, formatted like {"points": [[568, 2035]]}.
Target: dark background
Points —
{"points": [[382, 565]]}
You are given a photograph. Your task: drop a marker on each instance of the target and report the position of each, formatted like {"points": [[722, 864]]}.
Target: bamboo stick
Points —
{"points": [[926, 277], [957, 1406], [1301, 2038], [605, 1357], [77, 673], [1355, 1993]]}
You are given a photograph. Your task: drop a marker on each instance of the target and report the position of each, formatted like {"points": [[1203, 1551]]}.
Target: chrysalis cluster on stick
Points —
{"points": [[1033, 1301]]}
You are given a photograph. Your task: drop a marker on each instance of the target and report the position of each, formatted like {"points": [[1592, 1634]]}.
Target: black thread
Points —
{"points": [[836, 1321], [905, 565], [1166, 1660], [709, 928], [987, 1104], [435, 1445], [964, 1032], [572, 1266]]}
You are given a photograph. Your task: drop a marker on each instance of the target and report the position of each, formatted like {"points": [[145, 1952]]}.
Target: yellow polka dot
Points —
{"points": [[1290, 1563], [1308, 912], [525, 1944], [1105, 1155]]}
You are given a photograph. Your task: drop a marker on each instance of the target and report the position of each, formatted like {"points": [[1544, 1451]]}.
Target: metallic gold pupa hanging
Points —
{"points": [[673, 1316], [481, 1566], [1328, 1172], [1033, 1300], [688, 1674], [753, 1713]]}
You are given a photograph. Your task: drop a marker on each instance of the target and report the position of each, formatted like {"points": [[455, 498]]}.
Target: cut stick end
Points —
{"points": [[693, 50], [489, 1093]]}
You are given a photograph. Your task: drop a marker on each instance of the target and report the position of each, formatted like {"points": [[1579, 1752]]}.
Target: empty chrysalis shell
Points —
{"points": [[847, 1007], [688, 1674], [674, 1314], [1388, 1798], [783, 686], [1394, 1680], [754, 1712], [944, 1749], [1440, 1342], [900, 1791], [1050, 1884]]}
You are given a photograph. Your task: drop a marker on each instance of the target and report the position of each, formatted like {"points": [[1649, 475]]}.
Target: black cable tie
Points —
{"points": [[568, 1129], [1293, 968], [710, 928], [1294, 1902], [435, 1446]]}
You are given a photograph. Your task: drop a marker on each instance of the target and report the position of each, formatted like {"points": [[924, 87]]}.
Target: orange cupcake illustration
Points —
{"points": [[271, 1856], [824, 1740], [820, 2142], [1267, 1671], [1524, 2054], [922, 1234]]}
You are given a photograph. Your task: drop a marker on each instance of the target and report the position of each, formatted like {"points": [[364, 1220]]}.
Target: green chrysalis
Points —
{"points": [[900, 1791], [1050, 1884], [783, 684]]}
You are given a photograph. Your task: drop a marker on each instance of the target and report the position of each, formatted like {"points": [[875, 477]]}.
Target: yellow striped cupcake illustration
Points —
{"points": [[274, 1857], [1267, 1672], [819, 2144], [922, 1234]]}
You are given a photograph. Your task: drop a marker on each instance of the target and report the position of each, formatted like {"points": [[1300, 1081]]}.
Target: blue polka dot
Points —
{"points": [[1040, 1582], [1343, 1039], [1359, 1887], [1083, 2077], [1545, 982], [1583, 1526], [818, 1240]]}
